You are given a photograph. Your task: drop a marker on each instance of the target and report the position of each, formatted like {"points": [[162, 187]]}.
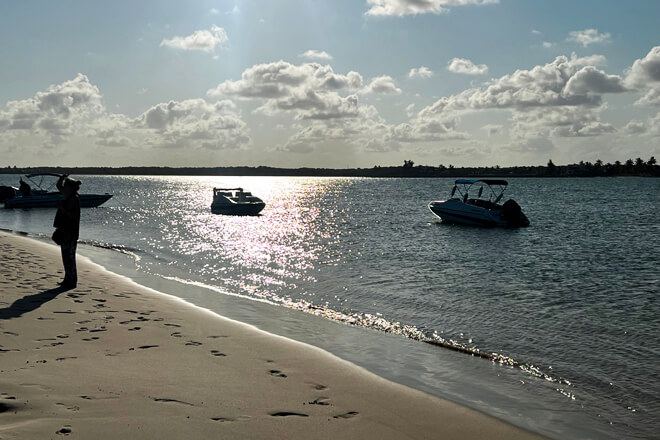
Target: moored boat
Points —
{"points": [[479, 210], [36, 196], [235, 201]]}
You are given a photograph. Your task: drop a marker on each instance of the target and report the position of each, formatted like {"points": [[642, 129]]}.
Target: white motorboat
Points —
{"points": [[42, 194], [235, 201], [480, 211]]}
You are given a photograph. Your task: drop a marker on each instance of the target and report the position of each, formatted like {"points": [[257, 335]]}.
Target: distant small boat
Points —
{"points": [[479, 211], [235, 201], [28, 196]]}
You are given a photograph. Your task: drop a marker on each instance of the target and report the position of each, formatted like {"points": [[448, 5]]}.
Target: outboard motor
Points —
{"points": [[513, 215], [6, 193]]}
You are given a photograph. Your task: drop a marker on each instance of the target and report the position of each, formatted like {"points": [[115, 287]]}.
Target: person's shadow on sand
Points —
{"points": [[30, 302]]}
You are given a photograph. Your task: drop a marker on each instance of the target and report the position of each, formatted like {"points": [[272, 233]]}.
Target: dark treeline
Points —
{"points": [[631, 167]]}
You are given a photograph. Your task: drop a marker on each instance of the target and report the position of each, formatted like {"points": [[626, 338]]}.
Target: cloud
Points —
{"points": [[194, 123], [204, 40], [74, 108], [588, 36], [493, 129], [590, 60], [57, 112], [634, 127], [467, 67], [547, 44], [410, 110], [309, 90], [561, 98], [652, 97], [281, 79], [415, 7], [644, 75], [383, 85], [536, 32], [591, 81], [316, 55], [427, 130], [654, 125], [560, 121], [542, 86], [420, 72], [645, 71]]}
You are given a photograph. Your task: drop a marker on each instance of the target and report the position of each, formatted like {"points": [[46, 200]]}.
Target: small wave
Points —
{"points": [[379, 323], [113, 247]]}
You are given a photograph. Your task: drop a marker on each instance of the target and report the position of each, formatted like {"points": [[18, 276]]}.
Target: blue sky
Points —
{"points": [[328, 83]]}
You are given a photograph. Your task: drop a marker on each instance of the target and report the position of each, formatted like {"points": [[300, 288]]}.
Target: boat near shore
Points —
{"points": [[235, 201], [482, 210], [40, 193]]}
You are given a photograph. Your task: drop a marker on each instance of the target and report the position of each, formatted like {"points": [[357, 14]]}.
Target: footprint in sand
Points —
{"points": [[134, 329], [277, 373], [93, 338], [144, 347], [348, 415], [288, 414], [7, 407], [171, 325], [194, 343], [176, 335], [64, 430], [320, 387], [217, 353], [320, 401], [231, 419], [165, 400]]}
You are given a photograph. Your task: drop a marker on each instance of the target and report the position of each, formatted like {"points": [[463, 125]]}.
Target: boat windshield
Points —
{"points": [[493, 189]]}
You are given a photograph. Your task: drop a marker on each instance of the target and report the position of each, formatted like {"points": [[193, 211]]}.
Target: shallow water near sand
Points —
{"points": [[572, 300]]}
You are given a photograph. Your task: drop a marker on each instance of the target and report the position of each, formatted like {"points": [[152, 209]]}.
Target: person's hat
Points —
{"points": [[75, 184]]}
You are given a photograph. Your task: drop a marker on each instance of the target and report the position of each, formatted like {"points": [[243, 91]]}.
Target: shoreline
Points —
{"points": [[112, 358]]}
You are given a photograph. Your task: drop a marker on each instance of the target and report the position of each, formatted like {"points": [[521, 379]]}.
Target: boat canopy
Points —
{"points": [[486, 181], [29, 176]]}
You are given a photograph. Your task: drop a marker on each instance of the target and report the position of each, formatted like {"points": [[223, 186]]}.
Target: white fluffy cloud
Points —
{"points": [[308, 90], [634, 127], [382, 84], [644, 75], [467, 67], [588, 36], [75, 109], [559, 83], [415, 7], [561, 98], [204, 40], [194, 122], [55, 113], [313, 54], [560, 121], [420, 72]]}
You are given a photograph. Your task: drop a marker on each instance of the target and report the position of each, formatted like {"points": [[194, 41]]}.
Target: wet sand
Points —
{"points": [[112, 359]]}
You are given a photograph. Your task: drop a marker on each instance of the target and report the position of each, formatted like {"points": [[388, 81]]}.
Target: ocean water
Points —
{"points": [[570, 305]]}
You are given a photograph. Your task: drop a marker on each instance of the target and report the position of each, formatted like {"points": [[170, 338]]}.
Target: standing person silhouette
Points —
{"points": [[67, 226]]}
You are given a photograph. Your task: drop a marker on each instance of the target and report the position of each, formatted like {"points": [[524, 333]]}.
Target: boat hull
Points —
{"points": [[52, 200], [238, 208], [455, 211]]}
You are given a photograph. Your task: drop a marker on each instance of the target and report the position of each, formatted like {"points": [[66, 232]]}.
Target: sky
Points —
{"points": [[328, 83]]}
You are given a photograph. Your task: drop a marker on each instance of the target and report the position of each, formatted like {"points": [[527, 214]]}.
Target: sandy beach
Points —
{"points": [[112, 359]]}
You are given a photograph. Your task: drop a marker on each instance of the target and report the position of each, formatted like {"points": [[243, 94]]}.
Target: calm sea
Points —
{"points": [[572, 302]]}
